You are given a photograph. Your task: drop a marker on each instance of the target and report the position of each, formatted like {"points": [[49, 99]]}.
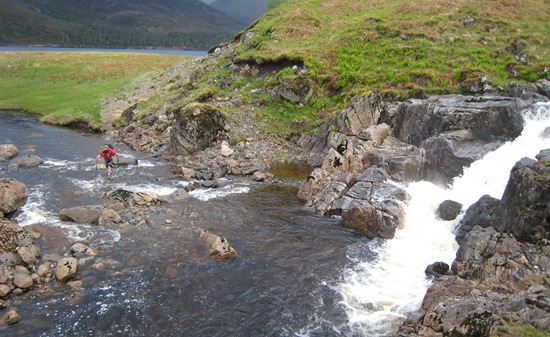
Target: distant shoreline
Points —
{"points": [[183, 52]]}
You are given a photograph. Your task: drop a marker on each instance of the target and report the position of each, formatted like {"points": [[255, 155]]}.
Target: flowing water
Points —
{"points": [[297, 274], [378, 293]]}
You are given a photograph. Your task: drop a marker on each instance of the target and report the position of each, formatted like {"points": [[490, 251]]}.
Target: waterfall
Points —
{"points": [[378, 295]]}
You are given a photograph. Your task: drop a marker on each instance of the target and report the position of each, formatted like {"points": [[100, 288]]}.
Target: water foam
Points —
{"points": [[377, 295], [207, 194]]}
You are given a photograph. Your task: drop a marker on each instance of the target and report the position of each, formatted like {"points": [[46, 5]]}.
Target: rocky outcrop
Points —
{"points": [[500, 275], [431, 139], [456, 130], [13, 194], [196, 126], [526, 200]]}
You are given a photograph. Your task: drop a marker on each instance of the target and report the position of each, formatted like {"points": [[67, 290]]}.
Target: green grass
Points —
{"points": [[66, 88], [399, 45]]}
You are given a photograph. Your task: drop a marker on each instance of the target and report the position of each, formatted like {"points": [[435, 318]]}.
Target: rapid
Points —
{"points": [[297, 274]]}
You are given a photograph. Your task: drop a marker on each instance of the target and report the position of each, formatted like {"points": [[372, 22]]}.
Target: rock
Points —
{"points": [[448, 153], [66, 269], [43, 269], [8, 151], [196, 127], [22, 279], [11, 317], [226, 151], [109, 216], [449, 210], [361, 114], [437, 269], [402, 161], [484, 213], [376, 134], [78, 249], [26, 161], [218, 246], [489, 118], [526, 199], [13, 194], [29, 254], [5, 290], [82, 214]]}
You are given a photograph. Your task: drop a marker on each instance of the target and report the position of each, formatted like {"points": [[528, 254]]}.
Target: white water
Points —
{"points": [[378, 295]]}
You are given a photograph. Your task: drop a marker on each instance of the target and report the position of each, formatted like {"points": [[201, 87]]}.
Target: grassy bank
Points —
{"points": [[65, 88]]}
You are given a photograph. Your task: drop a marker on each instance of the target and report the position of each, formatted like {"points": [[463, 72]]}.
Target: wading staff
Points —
{"points": [[96, 167]]}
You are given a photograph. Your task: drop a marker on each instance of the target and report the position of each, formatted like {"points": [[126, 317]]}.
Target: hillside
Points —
{"points": [[305, 60], [122, 23], [244, 10]]}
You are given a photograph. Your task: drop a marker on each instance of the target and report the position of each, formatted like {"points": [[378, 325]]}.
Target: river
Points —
{"points": [[297, 274]]}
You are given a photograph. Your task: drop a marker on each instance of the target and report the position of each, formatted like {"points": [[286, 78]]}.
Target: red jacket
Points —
{"points": [[107, 154]]}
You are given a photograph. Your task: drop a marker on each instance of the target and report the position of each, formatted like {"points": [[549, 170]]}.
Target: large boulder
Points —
{"points": [[526, 199], [484, 213], [196, 127], [8, 151], [81, 214], [26, 161], [13, 194]]}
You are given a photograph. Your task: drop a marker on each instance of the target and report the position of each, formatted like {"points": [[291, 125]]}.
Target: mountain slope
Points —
{"points": [[122, 23], [244, 10]]}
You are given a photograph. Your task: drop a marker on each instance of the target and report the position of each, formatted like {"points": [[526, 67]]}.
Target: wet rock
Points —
{"points": [[43, 270], [66, 269], [448, 153], [449, 210], [109, 216], [82, 214], [13, 194], [8, 151], [22, 279], [11, 317], [29, 254], [437, 269], [526, 201], [5, 290], [218, 246], [26, 161], [484, 213]]}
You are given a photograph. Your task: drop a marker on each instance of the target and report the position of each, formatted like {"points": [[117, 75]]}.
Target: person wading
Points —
{"points": [[108, 153]]}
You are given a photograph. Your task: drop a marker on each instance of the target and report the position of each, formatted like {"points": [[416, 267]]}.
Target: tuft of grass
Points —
{"points": [[65, 88]]}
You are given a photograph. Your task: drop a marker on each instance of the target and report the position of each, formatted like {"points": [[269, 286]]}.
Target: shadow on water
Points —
{"points": [[157, 279]]}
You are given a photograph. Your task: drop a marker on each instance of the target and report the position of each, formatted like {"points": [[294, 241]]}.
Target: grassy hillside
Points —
{"points": [[427, 44], [66, 88], [399, 48]]}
